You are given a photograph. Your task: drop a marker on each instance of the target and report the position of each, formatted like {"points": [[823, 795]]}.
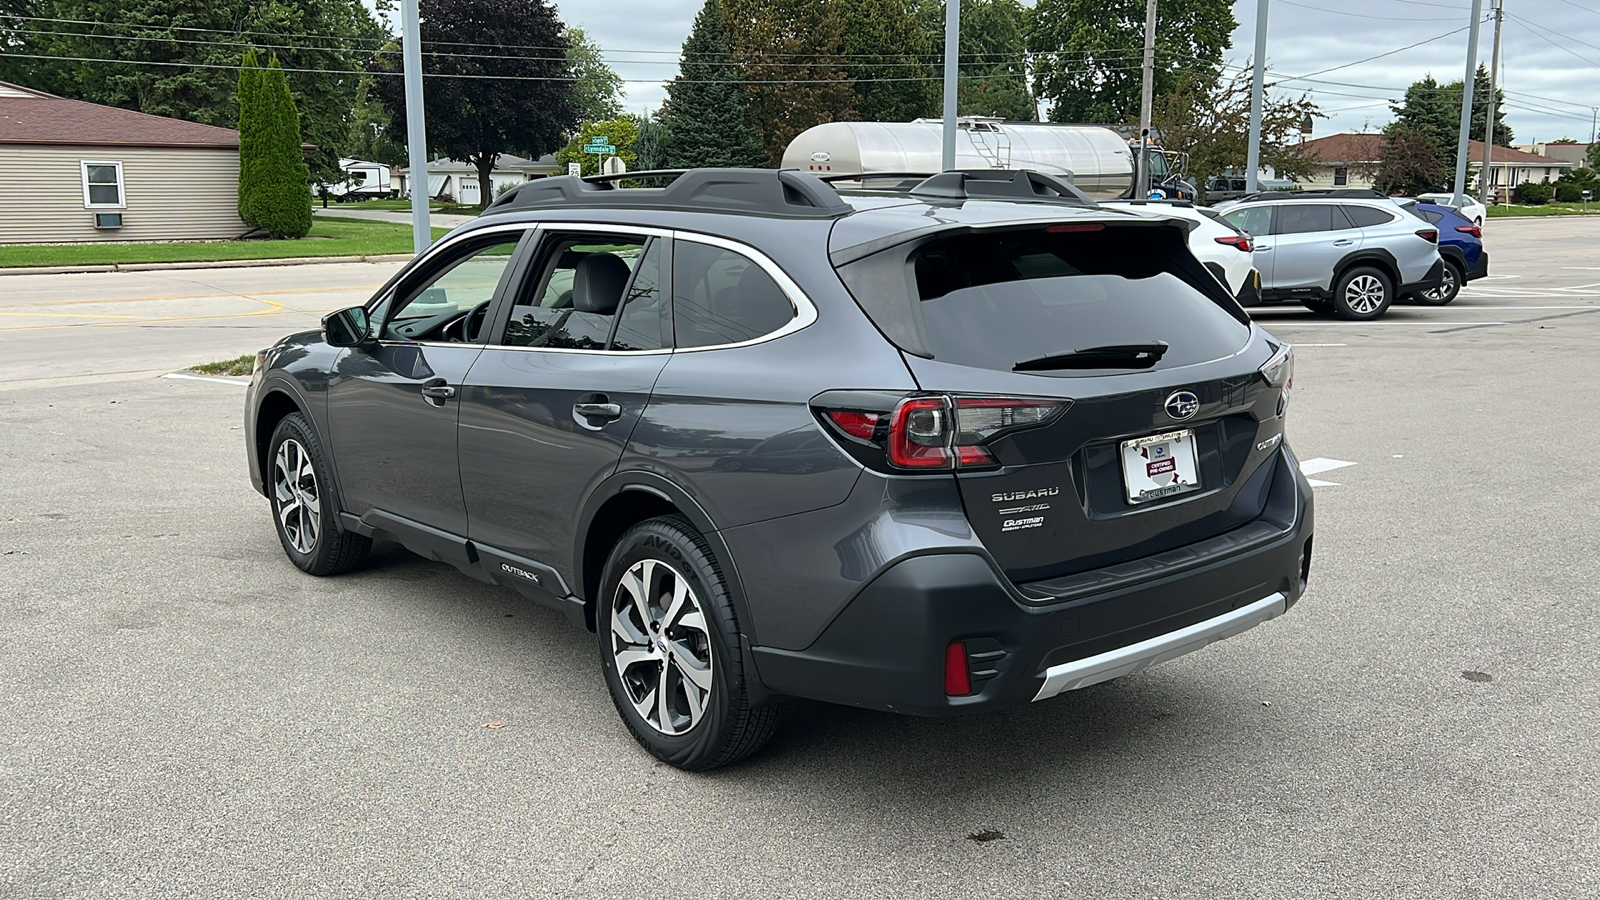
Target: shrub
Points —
{"points": [[273, 175], [1533, 193]]}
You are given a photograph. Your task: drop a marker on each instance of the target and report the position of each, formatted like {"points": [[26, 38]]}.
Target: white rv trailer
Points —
{"points": [[1097, 160], [362, 180]]}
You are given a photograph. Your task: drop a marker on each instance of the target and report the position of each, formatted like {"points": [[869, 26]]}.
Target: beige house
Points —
{"points": [[1351, 160], [72, 171]]}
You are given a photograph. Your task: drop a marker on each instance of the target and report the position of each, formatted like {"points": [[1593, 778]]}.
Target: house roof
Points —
{"points": [[1344, 149], [34, 117], [505, 162]]}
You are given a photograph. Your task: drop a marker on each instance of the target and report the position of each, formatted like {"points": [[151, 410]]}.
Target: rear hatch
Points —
{"points": [[1113, 391]]}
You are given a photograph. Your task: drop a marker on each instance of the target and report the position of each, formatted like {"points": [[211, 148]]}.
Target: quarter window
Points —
{"points": [[722, 297], [102, 184], [1367, 217]]}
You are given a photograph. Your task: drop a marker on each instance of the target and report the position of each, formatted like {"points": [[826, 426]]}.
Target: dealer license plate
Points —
{"points": [[1159, 466]]}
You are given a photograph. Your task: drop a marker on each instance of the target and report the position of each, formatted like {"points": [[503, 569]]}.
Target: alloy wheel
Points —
{"points": [[1446, 291], [296, 496], [661, 646], [1364, 294]]}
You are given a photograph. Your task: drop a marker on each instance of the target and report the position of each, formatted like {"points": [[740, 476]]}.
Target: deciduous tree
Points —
{"points": [[993, 58], [889, 56], [1410, 161], [1087, 53], [1208, 117], [707, 111], [503, 96], [621, 132], [789, 54], [596, 88]]}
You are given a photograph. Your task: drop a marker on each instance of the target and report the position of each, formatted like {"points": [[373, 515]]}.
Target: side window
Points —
{"points": [[1252, 220], [721, 297], [573, 300], [1305, 218], [102, 184], [1367, 217], [462, 285]]}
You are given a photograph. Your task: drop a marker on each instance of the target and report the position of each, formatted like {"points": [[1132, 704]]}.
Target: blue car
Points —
{"points": [[1461, 247]]}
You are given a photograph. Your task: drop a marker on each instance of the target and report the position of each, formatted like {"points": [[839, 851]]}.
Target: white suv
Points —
{"points": [[1346, 252]]}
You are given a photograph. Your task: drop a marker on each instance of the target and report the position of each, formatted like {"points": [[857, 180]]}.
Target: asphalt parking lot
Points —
{"points": [[186, 714]]}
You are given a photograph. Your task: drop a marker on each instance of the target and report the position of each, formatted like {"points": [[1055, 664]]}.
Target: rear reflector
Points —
{"points": [[1473, 230], [1075, 227], [1237, 241], [1429, 235], [957, 681]]}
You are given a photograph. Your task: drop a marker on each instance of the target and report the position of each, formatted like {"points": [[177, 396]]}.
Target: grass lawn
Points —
{"points": [[454, 209], [328, 237], [238, 366], [1549, 209]]}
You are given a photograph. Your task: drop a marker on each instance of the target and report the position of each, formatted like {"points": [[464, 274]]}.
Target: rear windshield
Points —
{"points": [[996, 299]]}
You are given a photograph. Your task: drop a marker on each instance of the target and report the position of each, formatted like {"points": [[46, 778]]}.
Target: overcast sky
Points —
{"points": [[1552, 81]]}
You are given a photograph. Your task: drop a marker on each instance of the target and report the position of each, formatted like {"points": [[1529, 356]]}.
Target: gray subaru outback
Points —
{"points": [[924, 445]]}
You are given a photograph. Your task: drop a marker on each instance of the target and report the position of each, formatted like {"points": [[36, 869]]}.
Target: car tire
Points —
{"points": [[672, 652], [305, 509], [1447, 291], [1362, 294], [1317, 305]]}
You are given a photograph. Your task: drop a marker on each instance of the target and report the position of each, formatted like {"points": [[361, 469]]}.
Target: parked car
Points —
{"points": [[1470, 208], [1343, 251], [1460, 245], [1046, 447], [1222, 248], [1223, 188]]}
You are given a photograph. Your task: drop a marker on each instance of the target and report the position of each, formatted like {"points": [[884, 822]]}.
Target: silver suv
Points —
{"points": [[1346, 252]]}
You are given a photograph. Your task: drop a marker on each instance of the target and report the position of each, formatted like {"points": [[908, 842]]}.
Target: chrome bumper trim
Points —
{"points": [[1081, 673]]}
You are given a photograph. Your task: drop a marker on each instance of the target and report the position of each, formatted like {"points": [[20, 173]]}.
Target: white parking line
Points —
{"points": [[215, 379], [1317, 466], [1322, 345]]}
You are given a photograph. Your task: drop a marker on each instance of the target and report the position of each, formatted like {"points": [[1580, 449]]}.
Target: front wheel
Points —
{"points": [[1449, 288], [1363, 294], [671, 649], [303, 508]]}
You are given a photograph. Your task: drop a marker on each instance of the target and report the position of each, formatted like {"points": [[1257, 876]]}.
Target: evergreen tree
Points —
{"points": [[250, 134], [274, 185], [707, 111], [596, 88], [650, 150]]}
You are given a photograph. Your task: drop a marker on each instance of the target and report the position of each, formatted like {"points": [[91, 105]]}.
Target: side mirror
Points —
{"points": [[347, 327]]}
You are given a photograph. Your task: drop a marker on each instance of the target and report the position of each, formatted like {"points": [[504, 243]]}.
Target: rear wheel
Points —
{"points": [[1363, 294], [672, 652], [304, 508], [1447, 290]]}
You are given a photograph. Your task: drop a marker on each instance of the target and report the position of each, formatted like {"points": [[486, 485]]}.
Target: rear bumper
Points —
{"points": [[887, 649], [1433, 279], [1481, 268]]}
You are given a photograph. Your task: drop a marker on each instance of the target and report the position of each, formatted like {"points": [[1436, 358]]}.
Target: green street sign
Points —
{"points": [[599, 148]]}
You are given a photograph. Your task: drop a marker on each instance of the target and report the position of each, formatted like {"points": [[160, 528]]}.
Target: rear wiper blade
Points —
{"points": [[1114, 356]]}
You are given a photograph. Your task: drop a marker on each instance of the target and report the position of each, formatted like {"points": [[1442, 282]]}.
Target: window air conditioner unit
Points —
{"points": [[107, 220]]}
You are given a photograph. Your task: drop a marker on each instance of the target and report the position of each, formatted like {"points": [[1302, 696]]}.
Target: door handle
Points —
{"points": [[608, 411], [437, 389], [1260, 247], [1343, 243]]}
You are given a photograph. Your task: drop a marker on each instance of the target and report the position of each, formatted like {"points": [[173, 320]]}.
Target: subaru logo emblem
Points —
{"points": [[1182, 405], [662, 645]]}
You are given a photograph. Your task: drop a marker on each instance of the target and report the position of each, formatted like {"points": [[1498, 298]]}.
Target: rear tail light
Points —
{"points": [[940, 432], [1279, 372], [1429, 235], [1237, 241], [1473, 230]]}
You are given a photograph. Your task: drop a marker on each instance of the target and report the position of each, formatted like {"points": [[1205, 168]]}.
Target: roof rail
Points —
{"points": [[786, 193], [974, 184], [1318, 194]]}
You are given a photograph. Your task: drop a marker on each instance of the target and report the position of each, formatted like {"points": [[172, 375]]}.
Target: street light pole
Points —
{"points": [[1485, 181], [1146, 89], [416, 126], [1466, 104], [952, 49], [1258, 89]]}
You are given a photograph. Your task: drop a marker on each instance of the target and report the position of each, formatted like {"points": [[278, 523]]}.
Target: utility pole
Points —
{"points": [[1258, 89], [1142, 183], [952, 49], [1593, 120], [1485, 181], [416, 126], [1466, 103]]}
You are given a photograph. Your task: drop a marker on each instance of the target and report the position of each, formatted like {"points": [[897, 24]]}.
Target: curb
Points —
{"points": [[204, 264]]}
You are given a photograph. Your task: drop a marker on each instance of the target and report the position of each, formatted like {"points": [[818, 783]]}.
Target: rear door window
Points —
{"points": [[592, 292], [1308, 218]]}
